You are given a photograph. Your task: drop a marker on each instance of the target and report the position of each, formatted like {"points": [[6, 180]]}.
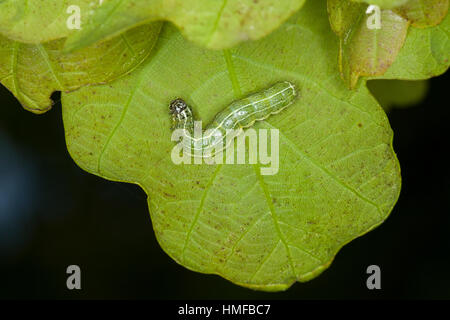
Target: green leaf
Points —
{"points": [[365, 51], [344, 15], [398, 93], [385, 4], [424, 13], [32, 72], [212, 24], [40, 21], [425, 54], [338, 176]]}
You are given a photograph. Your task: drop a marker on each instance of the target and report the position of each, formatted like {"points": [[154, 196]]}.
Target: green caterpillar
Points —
{"points": [[232, 120]]}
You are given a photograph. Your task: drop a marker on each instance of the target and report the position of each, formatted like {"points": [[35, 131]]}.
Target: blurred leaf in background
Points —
{"points": [[211, 24], [398, 93]]}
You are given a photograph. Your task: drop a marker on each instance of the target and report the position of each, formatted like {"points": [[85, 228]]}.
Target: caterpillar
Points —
{"points": [[234, 118]]}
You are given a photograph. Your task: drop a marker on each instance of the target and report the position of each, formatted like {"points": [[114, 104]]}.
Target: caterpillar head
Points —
{"points": [[181, 113], [179, 109]]}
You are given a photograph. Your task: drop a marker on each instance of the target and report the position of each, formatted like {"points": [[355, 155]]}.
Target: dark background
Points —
{"points": [[53, 214]]}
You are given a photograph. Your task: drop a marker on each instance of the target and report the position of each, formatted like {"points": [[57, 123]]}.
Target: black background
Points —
{"points": [[55, 214]]}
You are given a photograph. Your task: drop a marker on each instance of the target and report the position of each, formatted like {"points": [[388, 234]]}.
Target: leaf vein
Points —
{"points": [[199, 210]]}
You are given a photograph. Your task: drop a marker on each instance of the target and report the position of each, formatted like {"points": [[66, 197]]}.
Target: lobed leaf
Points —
{"points": [[212, 24], [424, 13], [338, 175], [33, 72], [365, 51], [425, 54]]}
